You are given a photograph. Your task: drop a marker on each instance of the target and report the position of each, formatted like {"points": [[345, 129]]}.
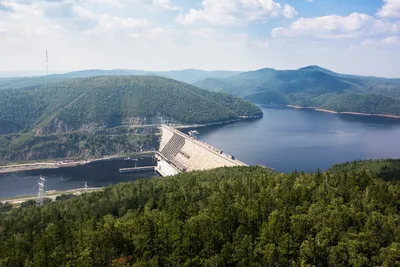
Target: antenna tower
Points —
{"points": [[47, 63], [42, 191]]}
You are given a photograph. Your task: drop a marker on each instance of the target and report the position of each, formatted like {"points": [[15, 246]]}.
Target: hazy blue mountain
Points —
{"points": [[312, 86], [20, 74], [187, 76], [192, 76], [92, 73]]}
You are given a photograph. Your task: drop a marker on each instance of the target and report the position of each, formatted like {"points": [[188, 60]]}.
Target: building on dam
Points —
{"points": [[183, 153]]}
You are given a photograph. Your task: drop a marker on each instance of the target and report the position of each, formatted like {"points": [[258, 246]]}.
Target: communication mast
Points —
{"points": [[47, 64], [42, 191]]}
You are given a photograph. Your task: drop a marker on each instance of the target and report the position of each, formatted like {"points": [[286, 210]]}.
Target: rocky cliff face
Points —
{"points": [[134, 121], [91, 127], [55, 126]]}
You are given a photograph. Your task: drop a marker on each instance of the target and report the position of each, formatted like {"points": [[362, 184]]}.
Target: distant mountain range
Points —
{"points": [[187, 76], [312, 86]]}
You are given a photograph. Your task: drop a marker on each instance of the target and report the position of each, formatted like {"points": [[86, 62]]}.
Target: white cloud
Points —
{"points": [[203, 32], [5, 6], [323, 50], [157, 34], [115, 3], [337, 27], [391, 9], [67, 18], [142, 34], [20, 9], [151, 4], [392, 41], [233, 11], [114, 23], [166, 4], [108, 26], [25, 22], [289, 12], [201, 15]]}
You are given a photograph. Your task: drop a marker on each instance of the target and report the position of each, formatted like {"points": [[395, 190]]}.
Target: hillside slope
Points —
{"points": [[313, 86], [103, 102], [23, 148], [247, 216]]}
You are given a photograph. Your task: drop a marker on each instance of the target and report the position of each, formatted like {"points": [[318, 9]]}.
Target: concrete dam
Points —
{"points": [[182, 153]]}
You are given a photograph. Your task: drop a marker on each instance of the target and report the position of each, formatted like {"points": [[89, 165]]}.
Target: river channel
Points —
{"points": [[285, 139]]}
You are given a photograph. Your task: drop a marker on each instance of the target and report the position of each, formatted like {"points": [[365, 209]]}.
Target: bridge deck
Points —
{"points": [[137, 169]]}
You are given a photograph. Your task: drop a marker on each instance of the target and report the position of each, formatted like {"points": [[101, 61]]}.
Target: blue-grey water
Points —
{"points": [[286, 139], [96, 174]]}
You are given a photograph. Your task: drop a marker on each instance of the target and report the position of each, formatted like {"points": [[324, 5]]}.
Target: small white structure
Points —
{"points": [[194, 134], [165, 169]]}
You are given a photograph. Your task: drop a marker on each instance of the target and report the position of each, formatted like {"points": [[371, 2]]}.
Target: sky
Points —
{"points": [[347, 36]]}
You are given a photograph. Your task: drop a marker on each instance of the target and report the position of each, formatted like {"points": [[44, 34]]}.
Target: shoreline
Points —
{"points": [[242, 118], [345, 112], [52, 194], [41, 165]]}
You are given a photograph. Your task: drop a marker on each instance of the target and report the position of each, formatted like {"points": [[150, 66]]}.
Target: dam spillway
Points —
{"points": [[179, 152]]}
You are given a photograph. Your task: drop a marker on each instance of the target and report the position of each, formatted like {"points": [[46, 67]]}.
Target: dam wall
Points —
{"points": [[185, 154]]}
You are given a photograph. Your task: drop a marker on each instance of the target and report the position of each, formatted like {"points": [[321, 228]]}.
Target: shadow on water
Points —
{"points": [[370, 120]]}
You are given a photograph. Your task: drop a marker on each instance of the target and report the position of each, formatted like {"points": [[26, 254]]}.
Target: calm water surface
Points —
{"points": [[95, 174], [287, 139]]}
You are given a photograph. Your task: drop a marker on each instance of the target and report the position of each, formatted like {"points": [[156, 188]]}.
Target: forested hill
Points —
{"points": [[111, 101], [246, 216], [313, 86]]}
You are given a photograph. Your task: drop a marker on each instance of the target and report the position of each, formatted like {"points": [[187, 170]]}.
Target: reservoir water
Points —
{"points": [[96, 174], [286, 139]]}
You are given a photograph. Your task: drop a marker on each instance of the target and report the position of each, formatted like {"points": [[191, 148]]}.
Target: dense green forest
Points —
{"points": [[98, 102], [364, 103], [245, 216], [77, 145], [313, 86], [387, 169], [232, 103]]}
